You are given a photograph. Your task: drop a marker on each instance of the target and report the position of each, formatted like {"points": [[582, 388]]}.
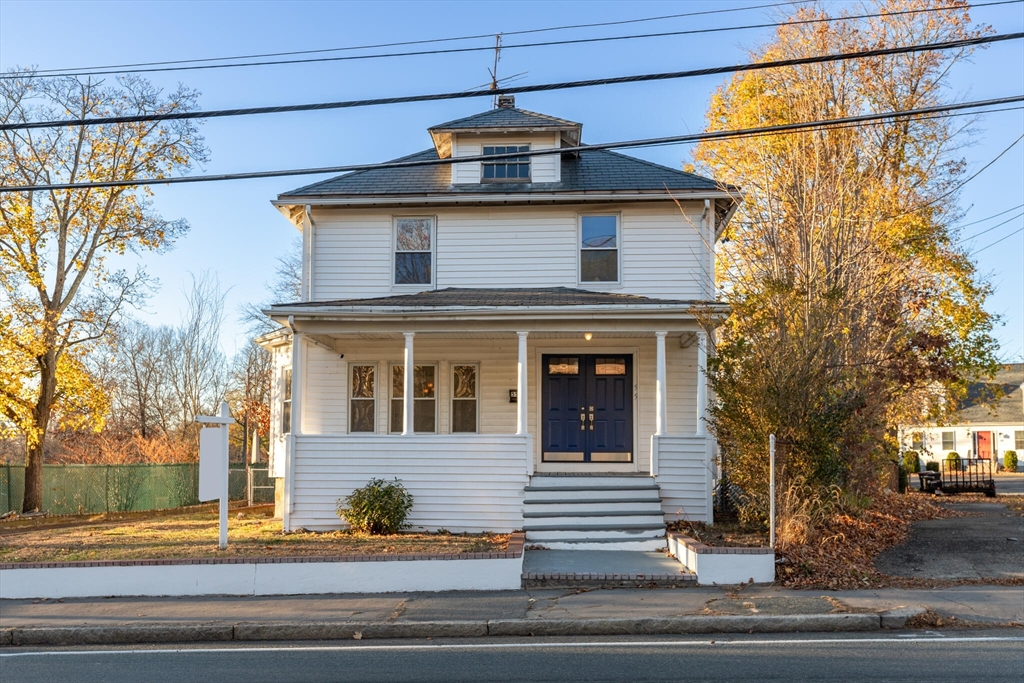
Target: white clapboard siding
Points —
{"points": [[661, 248], [513, 246], [322, 411], [282, 358], [458, 482], [507, 248], [683, 477]]}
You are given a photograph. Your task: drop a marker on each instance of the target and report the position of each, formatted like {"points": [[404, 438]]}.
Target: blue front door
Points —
{"points": [[587, 408]]}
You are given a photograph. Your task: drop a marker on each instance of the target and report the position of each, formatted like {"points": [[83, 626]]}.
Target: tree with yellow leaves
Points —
{"points": [[58, 294], [849, 293]]}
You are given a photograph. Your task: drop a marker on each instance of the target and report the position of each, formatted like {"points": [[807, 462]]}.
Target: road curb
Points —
{"points": [[132, 634]]}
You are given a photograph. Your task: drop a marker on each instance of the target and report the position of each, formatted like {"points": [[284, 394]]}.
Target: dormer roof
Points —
{"points": [[504, 119]]}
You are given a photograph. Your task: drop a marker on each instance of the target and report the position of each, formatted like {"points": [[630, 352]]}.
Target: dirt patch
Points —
{"points": [[196, 535], [724, 533]]}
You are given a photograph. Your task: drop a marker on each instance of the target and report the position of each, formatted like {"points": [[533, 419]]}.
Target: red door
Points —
{"points": [[985, 445]]}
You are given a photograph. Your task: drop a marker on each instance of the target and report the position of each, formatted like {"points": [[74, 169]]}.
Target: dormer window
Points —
{"points": [[508, 169]]}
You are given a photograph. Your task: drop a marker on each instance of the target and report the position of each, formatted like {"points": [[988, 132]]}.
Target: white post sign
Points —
{"points": [[213, 464]]}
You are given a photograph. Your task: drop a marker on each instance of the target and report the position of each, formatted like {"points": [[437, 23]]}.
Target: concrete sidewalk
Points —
{"points": [[537, 612]]}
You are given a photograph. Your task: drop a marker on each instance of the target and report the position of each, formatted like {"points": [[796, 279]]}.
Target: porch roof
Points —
{"points": [[466, 297]]}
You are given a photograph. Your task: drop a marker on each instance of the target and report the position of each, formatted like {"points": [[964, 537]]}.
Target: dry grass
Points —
{"points": [[195, 536], [724, 533]]}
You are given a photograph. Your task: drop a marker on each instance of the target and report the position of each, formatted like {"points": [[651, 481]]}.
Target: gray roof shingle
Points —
{"points": [[590, 171], [506, 118], [499, 297], [1008, 409]]}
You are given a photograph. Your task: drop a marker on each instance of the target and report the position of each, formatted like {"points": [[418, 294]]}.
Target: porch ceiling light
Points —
{"points": [[588, 335]]}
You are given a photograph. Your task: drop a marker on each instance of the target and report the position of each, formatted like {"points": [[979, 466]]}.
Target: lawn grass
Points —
{"points": [[195, 535]]}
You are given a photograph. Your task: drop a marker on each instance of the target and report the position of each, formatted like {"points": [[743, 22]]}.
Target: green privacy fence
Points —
{"points": [[89, 489]]}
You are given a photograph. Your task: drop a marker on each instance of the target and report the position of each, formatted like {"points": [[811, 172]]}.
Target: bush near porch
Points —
{"points": [[195, 536]]}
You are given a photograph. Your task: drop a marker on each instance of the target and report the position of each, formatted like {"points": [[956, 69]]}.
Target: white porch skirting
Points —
{"points": [[459, 482], [683, 469]]}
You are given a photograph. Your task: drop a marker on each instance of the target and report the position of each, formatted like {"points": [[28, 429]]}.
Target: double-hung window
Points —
{"points": [[362, 413], [424, 399], [414, 251], [917, 441], [516, 169], [286, 401], [949, 441], [599, 248], [465, 398], [1018, 441]]}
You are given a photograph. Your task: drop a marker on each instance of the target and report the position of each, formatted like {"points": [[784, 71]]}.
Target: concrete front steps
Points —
{"points": [[593, 512]]}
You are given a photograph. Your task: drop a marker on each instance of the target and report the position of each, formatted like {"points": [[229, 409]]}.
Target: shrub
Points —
{"points": [[380, 507], [932, 466], [911, 462], [1010, 461], [953, 458]]}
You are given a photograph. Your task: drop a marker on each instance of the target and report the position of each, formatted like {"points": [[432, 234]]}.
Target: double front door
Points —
{"points": [[587, 408]]}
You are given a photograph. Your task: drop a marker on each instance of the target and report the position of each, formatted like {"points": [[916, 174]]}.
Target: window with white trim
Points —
{"points": [[508, 169], [424, 399], [599, 248], [414, 251], [286, 401], [362, 411], [917, 441], [465, 398], [949, 441], [1018, 441]]}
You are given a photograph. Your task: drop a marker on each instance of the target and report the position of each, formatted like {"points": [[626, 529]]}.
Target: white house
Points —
{"points": [[517, 340], [978, 430]]}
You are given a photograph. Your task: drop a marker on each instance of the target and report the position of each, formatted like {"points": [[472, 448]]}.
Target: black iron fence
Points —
{"points": [[91, 489]]}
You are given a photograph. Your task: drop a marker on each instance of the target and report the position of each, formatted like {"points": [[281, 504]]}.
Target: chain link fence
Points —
{"points": [[91, 489]]}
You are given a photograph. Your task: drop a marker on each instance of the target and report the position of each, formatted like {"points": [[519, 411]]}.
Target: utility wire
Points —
{"points": [[548, 87], [574, 41], [429, 41], [997, 225], [988, 218], [648, 142], [978, 251]]}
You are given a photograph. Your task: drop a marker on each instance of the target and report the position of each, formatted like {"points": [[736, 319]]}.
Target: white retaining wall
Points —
{"points": [[683, 470]]}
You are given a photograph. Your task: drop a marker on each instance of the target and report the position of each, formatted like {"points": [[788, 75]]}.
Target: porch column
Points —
{"points": [[407, 399], [702, 382], [521, 386], [660, 397]]}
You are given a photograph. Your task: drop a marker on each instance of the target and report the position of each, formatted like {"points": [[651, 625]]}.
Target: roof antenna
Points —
{"points": [[494, 72]]}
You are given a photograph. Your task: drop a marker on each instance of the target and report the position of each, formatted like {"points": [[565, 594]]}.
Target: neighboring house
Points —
{"points": [[979, 429], [484, 330]]}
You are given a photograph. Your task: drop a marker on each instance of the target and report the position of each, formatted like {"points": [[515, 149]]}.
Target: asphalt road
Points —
{"points": [[955, 656]]}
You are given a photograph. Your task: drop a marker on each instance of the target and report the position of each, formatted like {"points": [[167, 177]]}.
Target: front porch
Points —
{"points": [[466, 409]]}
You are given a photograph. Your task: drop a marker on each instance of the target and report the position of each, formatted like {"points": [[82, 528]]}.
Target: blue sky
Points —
{"points": [[238, 235]]}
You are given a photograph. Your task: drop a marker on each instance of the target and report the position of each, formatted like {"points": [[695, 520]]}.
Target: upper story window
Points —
{"points": [[414, 251], [510, 168], [599, 248]]}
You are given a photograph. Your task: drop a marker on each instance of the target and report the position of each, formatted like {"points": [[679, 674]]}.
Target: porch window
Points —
{"points": [[599, 248], [948, 441], [465, 398], [363, 399], [286, 401], [414, 251], [424, 399], [514, 169]]}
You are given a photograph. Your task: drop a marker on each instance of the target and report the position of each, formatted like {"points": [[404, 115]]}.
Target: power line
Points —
{"points": [[978, 251], [997, 225], [988, 218], [428, 41], [574, 41], [648, 142], [640, 78]]}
